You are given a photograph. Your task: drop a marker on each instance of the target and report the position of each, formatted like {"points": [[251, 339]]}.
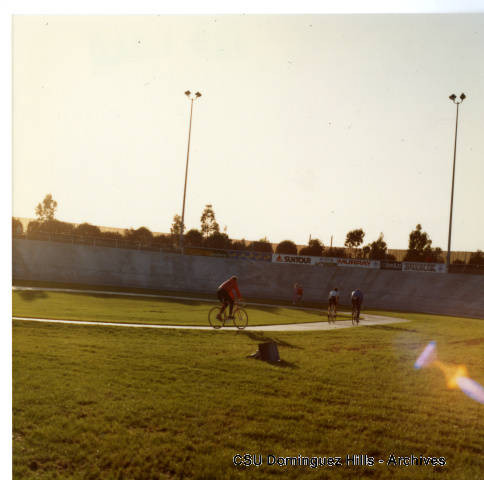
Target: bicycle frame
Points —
{"points": [[332, 313], [239, 316]]}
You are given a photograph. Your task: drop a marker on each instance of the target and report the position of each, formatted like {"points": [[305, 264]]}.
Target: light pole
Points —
{"points": [[453, 98], [182, 228]]}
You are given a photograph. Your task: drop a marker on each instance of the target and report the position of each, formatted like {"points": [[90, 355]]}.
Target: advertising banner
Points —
{"points": [[386, 265], [424, 267], [326, 262], [358, 262], [294, 259]]}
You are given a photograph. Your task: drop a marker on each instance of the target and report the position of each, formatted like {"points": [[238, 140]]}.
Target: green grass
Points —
{"points": [[107, 403], [109, 288], [126, 309]]}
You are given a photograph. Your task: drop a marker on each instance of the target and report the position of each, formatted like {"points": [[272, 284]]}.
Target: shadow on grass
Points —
{"points": [[284, 364], [150, 299], [274, 309], [262, 338], [279, 364], [390, 328], [472, 341], [30, 296]]}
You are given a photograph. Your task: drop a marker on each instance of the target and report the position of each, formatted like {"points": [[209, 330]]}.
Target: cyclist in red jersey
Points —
{"points": [[225, 294], [298, 293]]}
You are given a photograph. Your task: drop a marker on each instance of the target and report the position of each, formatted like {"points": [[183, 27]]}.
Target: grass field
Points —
{"points": [[129, 309], [106, 403]]}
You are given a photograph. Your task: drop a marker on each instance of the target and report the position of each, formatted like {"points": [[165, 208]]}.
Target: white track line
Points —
{"points": [[295, 327], [110, 324], [307, 327]]}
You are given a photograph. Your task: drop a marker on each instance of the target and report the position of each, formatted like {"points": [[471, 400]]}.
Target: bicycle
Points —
{"points": [[240, 317], [332, 313], [355, 315]]}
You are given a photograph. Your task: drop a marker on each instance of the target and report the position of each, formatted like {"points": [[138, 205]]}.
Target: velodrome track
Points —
{"points": [[365, 320]]}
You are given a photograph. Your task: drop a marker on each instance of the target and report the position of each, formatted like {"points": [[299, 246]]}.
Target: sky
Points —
{"points": [[308, 124]]}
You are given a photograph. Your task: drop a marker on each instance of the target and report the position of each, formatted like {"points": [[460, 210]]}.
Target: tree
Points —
{"points": [[314, 248], [208, 223], [477, 258], [175, 230], [262, 245], [434, 255], [87, 230], [141, 235], [287, 247], [46, 210], [111, 235], [163, 241], [420, 247], [218, 240], [17, 227], [50, 226], [239, 245], [377, 250], [334, 252], [194, 238], [114, 238], [418, 241], [354, 238], [34, 226]]}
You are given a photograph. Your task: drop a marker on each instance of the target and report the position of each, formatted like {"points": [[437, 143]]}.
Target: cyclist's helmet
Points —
{"points": [[234, 277]]}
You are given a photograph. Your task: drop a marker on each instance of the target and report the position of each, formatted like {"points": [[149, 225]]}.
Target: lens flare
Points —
{"points": [[452, 373], [427, 356], [471, 388], [455, 376]]}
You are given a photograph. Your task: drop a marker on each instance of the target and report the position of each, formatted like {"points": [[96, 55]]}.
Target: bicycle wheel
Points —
{"points": [[213, 320], [240, 318]]}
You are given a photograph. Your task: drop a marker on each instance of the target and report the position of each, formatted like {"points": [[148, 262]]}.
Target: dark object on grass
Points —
{"points": [[268, 352]]}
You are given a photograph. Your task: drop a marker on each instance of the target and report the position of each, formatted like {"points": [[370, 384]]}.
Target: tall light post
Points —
{"points": [[454, 99], [191, 97]]}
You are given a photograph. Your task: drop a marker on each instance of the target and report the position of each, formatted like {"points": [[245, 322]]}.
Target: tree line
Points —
{"points": [[209, 236]]}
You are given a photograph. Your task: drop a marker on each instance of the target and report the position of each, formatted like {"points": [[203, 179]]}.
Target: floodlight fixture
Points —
{"points": [[457, 103], [453, 97]]}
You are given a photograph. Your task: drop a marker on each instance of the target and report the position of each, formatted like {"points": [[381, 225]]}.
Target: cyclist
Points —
{"points": [[298, 293], [357, 300], [333, 298], [225, 294]]}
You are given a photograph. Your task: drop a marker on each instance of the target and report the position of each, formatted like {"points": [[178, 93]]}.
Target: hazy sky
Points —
{"points": [[307, 124]]}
